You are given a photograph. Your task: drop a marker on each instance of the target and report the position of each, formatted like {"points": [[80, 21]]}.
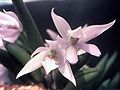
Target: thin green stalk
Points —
{"points": [[34, 37]]}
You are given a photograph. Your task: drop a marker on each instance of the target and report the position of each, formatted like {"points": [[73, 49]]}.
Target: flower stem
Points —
{"points": [[54, 81]]}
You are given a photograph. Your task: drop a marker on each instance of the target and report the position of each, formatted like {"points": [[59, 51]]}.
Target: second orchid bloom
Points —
{"points": [[50, 58], [75, 41], [10, 27]]}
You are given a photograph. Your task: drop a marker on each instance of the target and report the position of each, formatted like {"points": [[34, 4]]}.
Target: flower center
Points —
{"points": [[52, 54], [73, 40]]}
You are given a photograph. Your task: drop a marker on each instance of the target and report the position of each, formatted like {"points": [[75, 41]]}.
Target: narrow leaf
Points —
{"points": [[104, 85], [6, 59], [20, 54], [82, 78], [115, 81], [100, 66], [110, 62]]}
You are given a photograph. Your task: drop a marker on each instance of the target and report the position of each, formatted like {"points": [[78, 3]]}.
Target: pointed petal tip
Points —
{"points": [[52, 10], [98, 54], [18, 75], [74, 82], [52, 34], [112, 23], [4, 11]]}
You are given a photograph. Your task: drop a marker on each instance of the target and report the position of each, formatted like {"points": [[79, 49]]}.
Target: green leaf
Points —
{"points": [[24, 46], [100, 66], [108, 65], [19, 53], [83, 78], [104, 85], [110, 62], [22, 56], [115, 81], [85, 71], [33, 34]]}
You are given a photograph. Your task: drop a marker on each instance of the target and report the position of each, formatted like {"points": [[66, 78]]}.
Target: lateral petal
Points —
{"points": [[95, 30], [63, 43], [33, 64], [38, 50], [52, 34], [66, 71], [91, 48], [52, 44]]}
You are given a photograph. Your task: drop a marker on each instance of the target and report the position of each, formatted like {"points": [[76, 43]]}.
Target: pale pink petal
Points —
{"points": [[4, 17], [52, 34], [75, 33], [33, 64], [4, 77], [80, 52], [38, 50], [91, 48], [71, 54], [4, 32], [63, 43], [66, 71], [1, 45], [16, 17], [52, 44], [10, 36], [49, 64], [61, 24], [12, 39], [64, 66], [95, 30], [10, 13]]}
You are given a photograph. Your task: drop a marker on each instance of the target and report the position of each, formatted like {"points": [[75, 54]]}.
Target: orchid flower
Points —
{"points": [[74, 41], [10, 27], [50, 58], [4, 78]]}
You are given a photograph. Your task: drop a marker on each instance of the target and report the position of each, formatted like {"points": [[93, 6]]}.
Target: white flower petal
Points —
{"points": [[76, 33], [71, 54], [38, 50], [62, 42], [66, 71], [90, 48], [52, 34], [4, 32], [6, 17], [49, 64], [52, 44], [61, 24], [95, 30], [80, 52], [33, 64]]}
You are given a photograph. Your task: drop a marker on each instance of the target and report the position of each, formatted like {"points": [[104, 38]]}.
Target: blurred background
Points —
{"points": [[79, 12]]}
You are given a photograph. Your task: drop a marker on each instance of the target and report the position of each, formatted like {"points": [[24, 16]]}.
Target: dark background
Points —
{"points": [[81, 12]]}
